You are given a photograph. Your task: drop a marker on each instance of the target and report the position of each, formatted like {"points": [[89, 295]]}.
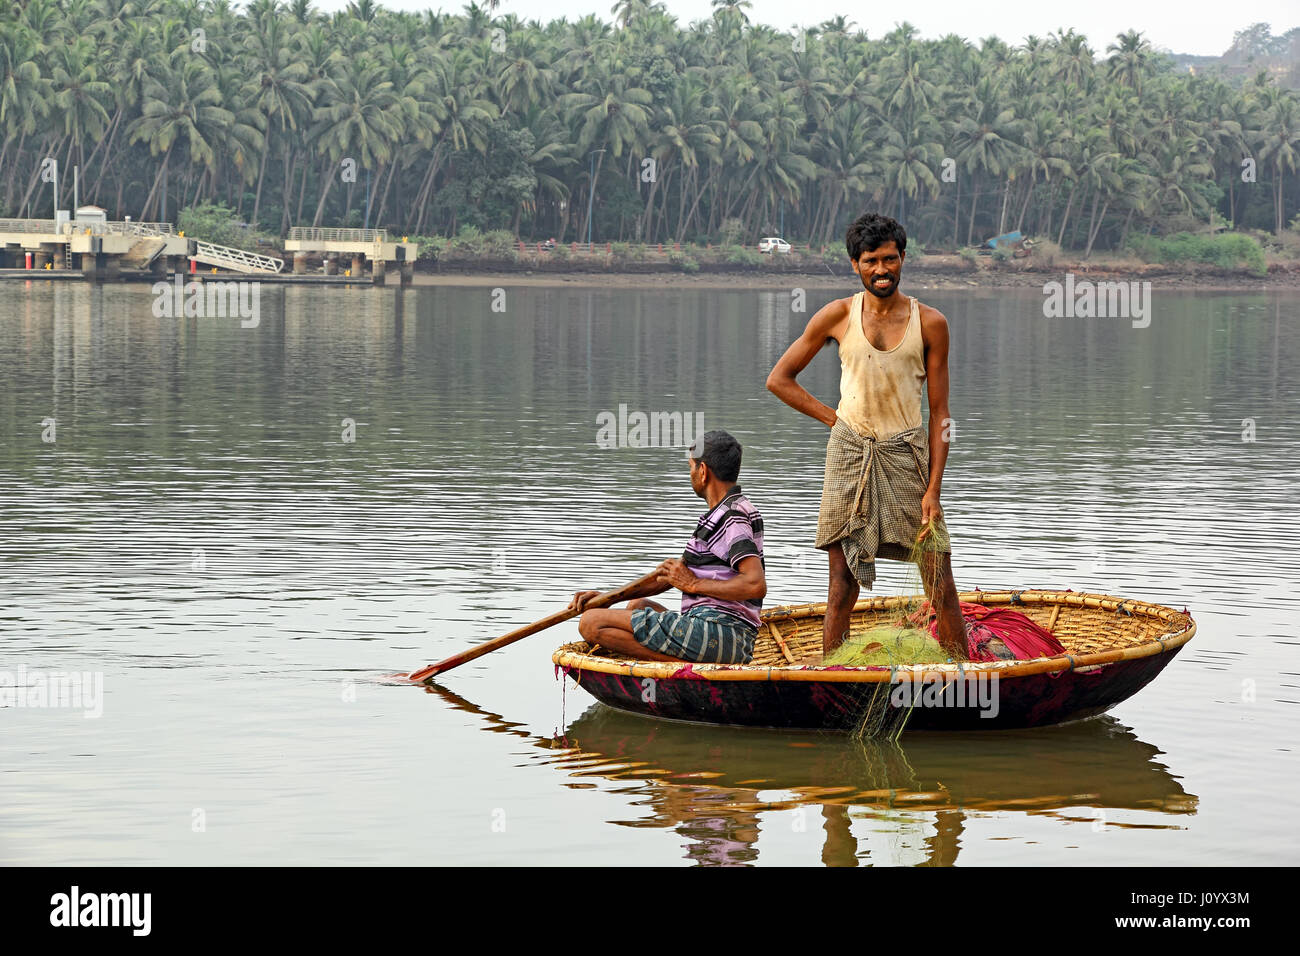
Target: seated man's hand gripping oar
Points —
{"points": [[720, 575], [613, 628]]}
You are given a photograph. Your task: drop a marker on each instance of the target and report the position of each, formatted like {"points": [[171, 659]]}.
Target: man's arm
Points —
{"points": [[749, 584], [781, 380], [657, 586], [934, 333]]}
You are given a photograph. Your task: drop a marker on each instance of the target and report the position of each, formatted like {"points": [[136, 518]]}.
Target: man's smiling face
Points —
{"points": [[880, 269]]}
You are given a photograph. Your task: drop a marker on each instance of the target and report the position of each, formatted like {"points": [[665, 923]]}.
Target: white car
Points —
{"points": [[773, 244]]}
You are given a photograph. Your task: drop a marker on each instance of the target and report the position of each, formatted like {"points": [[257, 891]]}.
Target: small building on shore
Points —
{"points": [[91, 216]]}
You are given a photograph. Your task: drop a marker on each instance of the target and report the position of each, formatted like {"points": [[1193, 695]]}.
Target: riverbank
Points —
{"points": [[927, 272], [926, 275]]}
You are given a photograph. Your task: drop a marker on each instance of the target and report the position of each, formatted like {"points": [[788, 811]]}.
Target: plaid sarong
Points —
{"points": [[871, 498], [703, 634]]}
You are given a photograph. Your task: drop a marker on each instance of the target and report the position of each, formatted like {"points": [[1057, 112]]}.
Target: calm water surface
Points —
{"points": [[201, 533]]}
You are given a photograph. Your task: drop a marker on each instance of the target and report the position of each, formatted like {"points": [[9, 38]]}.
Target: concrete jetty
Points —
{"points": [[90, 246], [361, 246]]}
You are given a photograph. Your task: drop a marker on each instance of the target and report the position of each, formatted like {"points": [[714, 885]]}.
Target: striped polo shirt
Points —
{"points": [[724, 537]]}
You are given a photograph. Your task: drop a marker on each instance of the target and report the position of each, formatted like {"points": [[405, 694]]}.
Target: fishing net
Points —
{"points": [[881, 716], [887, 645], [906, 640], [992, 634]]}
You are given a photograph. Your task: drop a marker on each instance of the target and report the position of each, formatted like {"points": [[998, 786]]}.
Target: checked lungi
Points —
{"points": [[871, 498]]}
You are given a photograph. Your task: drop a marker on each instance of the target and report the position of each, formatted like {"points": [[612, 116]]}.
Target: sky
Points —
{"points": [[1181, 26]]}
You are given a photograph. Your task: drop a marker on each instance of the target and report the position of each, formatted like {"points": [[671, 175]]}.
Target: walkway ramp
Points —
{"points": [[236, 260]]}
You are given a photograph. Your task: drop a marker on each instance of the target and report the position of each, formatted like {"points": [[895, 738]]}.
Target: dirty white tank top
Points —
{"points": [[880, 392]]}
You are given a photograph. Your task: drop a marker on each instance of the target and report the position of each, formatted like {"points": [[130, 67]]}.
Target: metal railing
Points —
{"points": [[322, 234], [126, 228], [236, 259], [68, 227], [46, 226]]}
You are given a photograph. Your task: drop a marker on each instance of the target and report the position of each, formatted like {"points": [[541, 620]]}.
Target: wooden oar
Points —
{"points": [[600, 600]]}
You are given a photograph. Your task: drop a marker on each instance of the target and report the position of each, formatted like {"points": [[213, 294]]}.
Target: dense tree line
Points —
{"points": [[720, 126]]}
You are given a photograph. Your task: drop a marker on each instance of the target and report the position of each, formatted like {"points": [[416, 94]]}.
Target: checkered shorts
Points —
{"points": [[703, 635]]}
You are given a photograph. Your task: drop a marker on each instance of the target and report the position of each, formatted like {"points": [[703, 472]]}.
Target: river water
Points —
{"points": [[241, 530]]}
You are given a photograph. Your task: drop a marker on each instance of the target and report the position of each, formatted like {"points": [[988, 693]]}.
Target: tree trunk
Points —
{"points": [[11, 180], [1024, 206], [591, 202], [153, 192], [1060, 237], [302, 195], [974, 204], [1123, 236], [643, 228], [1092, 221], [699, 194], [1277, 205], [261, 178], [324, 193], [383, 196], [286, 191], [1092, 236], [95, 152], [956, 216]]}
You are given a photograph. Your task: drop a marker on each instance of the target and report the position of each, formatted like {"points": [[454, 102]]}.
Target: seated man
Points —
{"points": [[720, 576]]}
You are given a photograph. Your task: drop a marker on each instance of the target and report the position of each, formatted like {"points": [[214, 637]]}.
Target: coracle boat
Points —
{"points": [[1114, 647]]}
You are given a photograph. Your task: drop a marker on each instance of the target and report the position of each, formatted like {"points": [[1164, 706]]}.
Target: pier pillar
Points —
{"points": [[39, 258], [300, 263], [358, 263], [60, 252], [408, 273], [377, 269], [332, 264]]}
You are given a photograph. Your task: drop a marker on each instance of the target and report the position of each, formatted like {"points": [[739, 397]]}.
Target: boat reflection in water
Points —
{"points": [[714, 785]]}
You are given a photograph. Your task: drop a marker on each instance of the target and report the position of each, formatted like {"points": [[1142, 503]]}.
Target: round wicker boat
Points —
{"points": [[1114, 647]]}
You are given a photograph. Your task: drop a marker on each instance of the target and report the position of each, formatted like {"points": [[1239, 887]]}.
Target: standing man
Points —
{"points": [[883, 472]]}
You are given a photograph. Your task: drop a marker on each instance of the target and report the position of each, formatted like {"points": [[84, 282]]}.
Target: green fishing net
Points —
{"points": [[886, 645], [899, 643]]}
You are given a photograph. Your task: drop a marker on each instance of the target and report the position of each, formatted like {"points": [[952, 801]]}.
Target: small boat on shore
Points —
{"points": [[1114, 647]]}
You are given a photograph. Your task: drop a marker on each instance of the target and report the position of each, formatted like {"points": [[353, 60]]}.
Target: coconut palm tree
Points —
{"points": [[356, 119], [280, 89], [1130, 60], [1279, 149], [181, 107]]}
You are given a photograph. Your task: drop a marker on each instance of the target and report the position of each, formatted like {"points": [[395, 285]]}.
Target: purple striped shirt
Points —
{"points": [[725, 536]]}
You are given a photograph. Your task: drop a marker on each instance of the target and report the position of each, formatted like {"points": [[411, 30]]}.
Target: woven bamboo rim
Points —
{"points": [[1095, 629]]}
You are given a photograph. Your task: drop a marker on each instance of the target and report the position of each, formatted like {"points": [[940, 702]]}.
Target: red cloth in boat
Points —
{"points": [[1023, 638]]}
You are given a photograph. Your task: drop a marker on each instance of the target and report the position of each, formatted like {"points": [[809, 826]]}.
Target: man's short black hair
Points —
{"points": [[722, 454], [870, 231]]}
